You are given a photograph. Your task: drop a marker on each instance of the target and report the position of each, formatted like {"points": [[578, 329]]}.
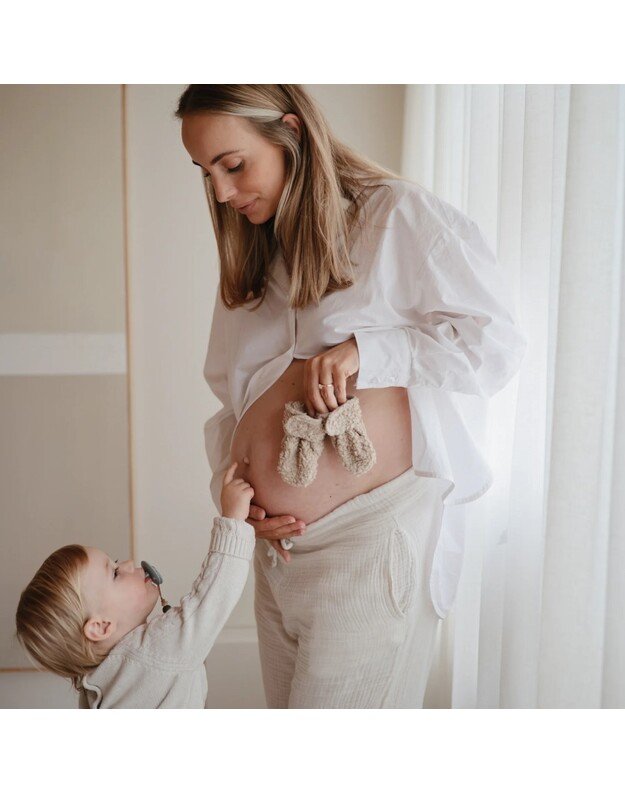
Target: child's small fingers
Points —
{"points": [[230, 473]]}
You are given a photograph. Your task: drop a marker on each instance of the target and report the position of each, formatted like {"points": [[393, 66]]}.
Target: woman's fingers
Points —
{"points": [[257, 513], [328, 378], [318, 399], [314, 400], [325, 377], [340, 387], [273, 522], [278, 527], [281, 526], [280, 532]]}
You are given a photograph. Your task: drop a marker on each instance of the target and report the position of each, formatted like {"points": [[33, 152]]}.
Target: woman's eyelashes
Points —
{"points": [[229, 170], [116, 569]]}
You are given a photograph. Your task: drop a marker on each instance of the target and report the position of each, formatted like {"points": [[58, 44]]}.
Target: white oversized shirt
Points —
{"points": [[430, 310]]}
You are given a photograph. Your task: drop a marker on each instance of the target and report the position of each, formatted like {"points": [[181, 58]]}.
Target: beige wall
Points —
{"points": [[61, 209], [63, 389], [367, 117], [75, 479]]}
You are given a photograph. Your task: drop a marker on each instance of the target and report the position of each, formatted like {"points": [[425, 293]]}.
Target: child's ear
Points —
{"points": [[98, 629]]}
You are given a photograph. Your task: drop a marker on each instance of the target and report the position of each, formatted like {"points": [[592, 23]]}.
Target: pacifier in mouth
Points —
{"points": [[156, 579], [151, 572]]}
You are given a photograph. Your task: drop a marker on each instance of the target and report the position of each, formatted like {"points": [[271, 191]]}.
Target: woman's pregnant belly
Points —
{"points": [[258, 437]]}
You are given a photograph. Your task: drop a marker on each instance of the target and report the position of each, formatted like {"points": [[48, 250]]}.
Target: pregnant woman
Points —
{"points": [[340, 279]]}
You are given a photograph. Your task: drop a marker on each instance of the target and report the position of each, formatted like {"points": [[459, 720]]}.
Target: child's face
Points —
{"points": [[118, 597]]}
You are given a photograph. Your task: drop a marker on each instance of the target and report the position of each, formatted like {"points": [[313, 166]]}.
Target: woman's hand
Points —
{"points": [[275, 528], [334, 366]]}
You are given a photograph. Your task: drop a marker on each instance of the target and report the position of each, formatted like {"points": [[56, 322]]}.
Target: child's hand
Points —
{"points": [[236, 495]]}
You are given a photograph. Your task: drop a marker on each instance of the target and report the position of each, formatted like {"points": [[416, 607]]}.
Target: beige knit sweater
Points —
{"points": [[160, 664]]}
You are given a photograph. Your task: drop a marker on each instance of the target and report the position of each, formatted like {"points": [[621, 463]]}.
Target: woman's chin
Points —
{"points": [[260, 215], [259, 218]]}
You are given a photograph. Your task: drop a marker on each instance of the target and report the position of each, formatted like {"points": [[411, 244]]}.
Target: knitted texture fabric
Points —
{"points": [[161, 664], [349, 622], [346, 427], [304, 436], [302, 444]]}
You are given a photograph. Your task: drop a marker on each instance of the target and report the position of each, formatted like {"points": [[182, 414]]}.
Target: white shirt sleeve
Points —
{"points": [[460, 333], [219, 428]]}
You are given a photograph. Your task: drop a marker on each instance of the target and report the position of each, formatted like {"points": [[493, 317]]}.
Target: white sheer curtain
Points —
{"points": [[538, 619]]}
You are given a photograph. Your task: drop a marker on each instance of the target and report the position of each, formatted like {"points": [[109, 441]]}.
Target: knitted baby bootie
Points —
{"points": [[302, 444], [349, 436]]}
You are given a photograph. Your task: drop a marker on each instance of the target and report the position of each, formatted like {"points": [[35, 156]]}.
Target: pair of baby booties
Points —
{"points": [[304, 436]]}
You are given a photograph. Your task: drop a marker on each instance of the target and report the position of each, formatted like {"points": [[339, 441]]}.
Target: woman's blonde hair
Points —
{"points": [[51, 615], [310, 226]]}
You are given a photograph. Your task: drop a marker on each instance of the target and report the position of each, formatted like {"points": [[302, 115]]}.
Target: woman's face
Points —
{"points": [[244, 167]]}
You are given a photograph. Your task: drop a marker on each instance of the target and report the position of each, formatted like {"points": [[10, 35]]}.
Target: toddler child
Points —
{"points": [[85, 617]]}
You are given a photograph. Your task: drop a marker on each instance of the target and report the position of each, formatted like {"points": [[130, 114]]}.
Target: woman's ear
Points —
{"points": [[294, 123], [98, 629]]}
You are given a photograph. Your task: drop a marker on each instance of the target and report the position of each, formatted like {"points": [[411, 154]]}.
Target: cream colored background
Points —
{"points": [[79, 461], [64, 454]]}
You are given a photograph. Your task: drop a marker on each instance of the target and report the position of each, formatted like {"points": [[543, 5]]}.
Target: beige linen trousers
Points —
{"points": [[349, 622]]}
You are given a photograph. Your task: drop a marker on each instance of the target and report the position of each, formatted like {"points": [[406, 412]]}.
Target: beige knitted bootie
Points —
{"points": [[302, 444], [349, 436]]}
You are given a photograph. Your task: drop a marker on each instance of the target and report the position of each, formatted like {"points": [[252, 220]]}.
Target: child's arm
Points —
{"points": [[186, 634]]}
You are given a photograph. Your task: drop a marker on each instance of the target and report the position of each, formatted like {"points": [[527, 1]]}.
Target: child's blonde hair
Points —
{"points": [[51, 615]]}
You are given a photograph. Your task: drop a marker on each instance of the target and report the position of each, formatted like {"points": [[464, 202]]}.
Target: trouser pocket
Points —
{"points": [[402, 571]]}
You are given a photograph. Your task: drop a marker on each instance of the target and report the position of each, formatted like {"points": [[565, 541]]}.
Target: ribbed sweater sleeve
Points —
{"points": [[185, 635]]}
